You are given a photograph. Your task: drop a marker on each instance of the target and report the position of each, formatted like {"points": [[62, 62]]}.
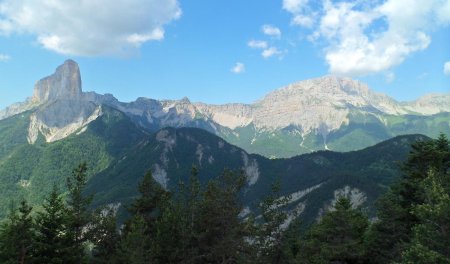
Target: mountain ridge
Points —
{"points": [[302, 117]]}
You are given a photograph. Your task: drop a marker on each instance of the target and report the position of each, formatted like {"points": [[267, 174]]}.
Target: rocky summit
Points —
{"points": [[327, 113], [64, 84]]}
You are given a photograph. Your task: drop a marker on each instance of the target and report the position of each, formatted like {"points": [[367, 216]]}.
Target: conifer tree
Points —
{"points": [[134, 245], [140, 230], [219, 228], [51, 243], [105, 236], [16, 235], [78, 214], [337, 237], [391, 234], [431, 236], [269, 234]]}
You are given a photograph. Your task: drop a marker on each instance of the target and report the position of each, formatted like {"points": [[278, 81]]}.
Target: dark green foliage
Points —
{"points": [[391, 234], [141, 229], [172, 237], [16, 235], [105, 236], [78, 214], [51, 244], [269, 235], [135, 243], [337, 237], [148, 204], [431, 237], [219, 231]]}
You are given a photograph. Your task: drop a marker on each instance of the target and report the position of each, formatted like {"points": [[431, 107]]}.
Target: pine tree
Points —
{"points": [[105, 236], [269, 234], [431, 236], [52, 245], [149, 203], [219, 228], [16, 235], [78, 214], [134, 245], [140, 231], [391, 234], [337, 237], [171, 231]]}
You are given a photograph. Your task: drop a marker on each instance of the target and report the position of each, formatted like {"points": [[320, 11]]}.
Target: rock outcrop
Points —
{"points": [[64, 84], [59, 106], [316, 107]]}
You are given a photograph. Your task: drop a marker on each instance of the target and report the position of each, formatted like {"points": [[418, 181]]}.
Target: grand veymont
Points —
{"points": [[327, 113]]}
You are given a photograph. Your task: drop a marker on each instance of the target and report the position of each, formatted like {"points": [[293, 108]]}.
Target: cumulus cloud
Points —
{"points": [[303, 20], [364, 37], [300, 11], [4, 57], [257, 44], [238, 68], [447, 68], [89, 28], [294, 6], [271, 30], [269, 52]]}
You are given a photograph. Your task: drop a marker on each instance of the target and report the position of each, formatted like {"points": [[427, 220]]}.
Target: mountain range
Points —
{"points": [[328, 113], [45, 137]]}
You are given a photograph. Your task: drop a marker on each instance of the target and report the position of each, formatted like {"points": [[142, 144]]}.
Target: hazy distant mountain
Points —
{"points": [[327, 113]]}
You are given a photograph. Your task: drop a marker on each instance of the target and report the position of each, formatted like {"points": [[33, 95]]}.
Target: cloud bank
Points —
{"points": [[363, 37], [89, 28]]}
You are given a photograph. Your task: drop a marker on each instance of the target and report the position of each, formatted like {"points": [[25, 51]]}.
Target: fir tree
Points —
{"points": [[431, 236], [134, 245], [269, 234], [391, 234], [337, 237], [220, 230], [78, 214], [16, 235], [140, 231], [105, 236], [51, 243]]}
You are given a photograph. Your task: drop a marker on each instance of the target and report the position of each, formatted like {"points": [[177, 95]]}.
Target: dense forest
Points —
{"points": [[204, 223]]}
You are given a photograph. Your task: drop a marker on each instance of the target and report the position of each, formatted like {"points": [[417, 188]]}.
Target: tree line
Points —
{"points": [[204, 223]]}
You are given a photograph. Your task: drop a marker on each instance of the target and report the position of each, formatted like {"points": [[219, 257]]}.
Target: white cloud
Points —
{"points": [[257, 44], [447, 68], [302, 20], [294, 6], [302, 16], [271, 31], [238, 68], [357, 45], [89, 28], [4, 57], [272, 51]]}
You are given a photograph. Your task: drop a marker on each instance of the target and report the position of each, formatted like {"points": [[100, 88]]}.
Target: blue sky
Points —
{"points": [[225, 51]]}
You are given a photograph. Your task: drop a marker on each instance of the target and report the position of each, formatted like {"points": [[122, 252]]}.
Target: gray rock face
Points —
{"points": [[65, 83], [297, 112]]}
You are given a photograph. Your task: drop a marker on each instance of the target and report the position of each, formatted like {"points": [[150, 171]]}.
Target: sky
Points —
{"points": [[225, 51]]}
